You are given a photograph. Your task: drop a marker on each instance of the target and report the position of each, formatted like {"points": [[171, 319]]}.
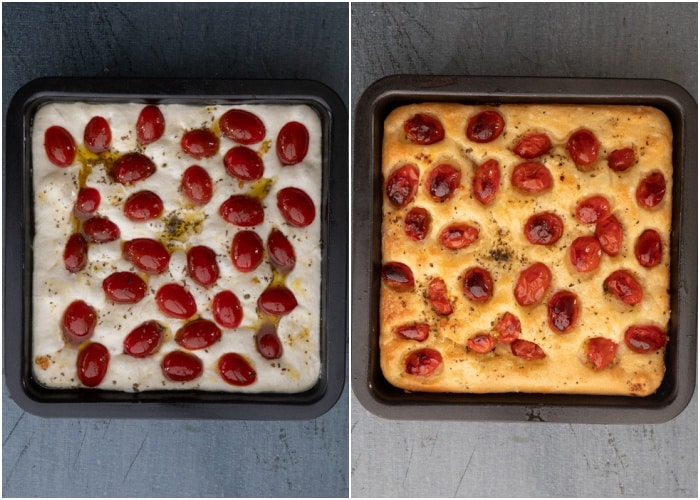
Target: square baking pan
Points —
{"points": [[387, 401], [19, 227]]}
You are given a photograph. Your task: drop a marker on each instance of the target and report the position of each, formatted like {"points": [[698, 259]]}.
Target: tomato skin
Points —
{"points": [[296, 207], [532, 145], [142, 206], [486, 181], [423, 362], [609, 234], [242, 210], [147, 254], [402, 185], [198, 334], [144, 340], [485, 126], [458, 236], [244, 163], [623, 285], [527, 350], [92, 364], [98, 135], [477, 284], [277, 301], [292, 143], [592, 209], [246, 251], [87, 202], [78, 321], [645, 339], [281, 251], [531, 178], [175, 301], [418, 332], [649, 249], [267, 342], [424, 129], [416, 224], [600, 352], [438, 297], [242, 126], [75, 254], [442, 182], [181, 366], [544, 228], [197, 185], [199, 143], [202, 266], [398, 276], [133, 167], [583, 147], [620, 160], [226, 309], [562, 311], [508, 328], [150, 125], [124, 287], [585, 253], [59, 146], [651, 190], [100, 230], [532, 284], [236, 370], [482, 343]]}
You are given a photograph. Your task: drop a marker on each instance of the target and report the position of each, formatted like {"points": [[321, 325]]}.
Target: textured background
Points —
{"points": [[484, 459], [123, 458]]}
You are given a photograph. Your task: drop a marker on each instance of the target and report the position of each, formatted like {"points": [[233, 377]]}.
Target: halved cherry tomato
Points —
{"points": [[75, 254], [144, 340], [402, 185], [531, 177], [202, 266], [623, 285], [142, 206], [438, 298], [59, 146], [87, 202], [485, 126], [592, 209], [92, 364], [133, 167], [246, 251], [621, 159], [442, 181], [477, 284], [242, 210], [198, 334], [296, 207], [585, 253], [482, 343], [292, 143], [176, 301], [181, 366], [278, 301], [544, 228], [609, 234], [416, 224], [227, 309], [645, 339], [562, 311], [97, 135], [150, 125], [532, 284], [600, 352], [398, 276], [424, 129], [423, 362], [197, 185], [418, 332], [268, 342], [79, 320], [244, 163], [242, 126], [583, 147], [649, 248], [458, 235], [281, 251], [147, 254], [200, 143], [532, 145], [236, 370], [527, 350], [487, 179], [100, 230], [124, 287], [508, 328], [651, 190]]}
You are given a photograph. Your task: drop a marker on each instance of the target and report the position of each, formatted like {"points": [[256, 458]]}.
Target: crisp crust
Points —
{"points": [[503, 249]]}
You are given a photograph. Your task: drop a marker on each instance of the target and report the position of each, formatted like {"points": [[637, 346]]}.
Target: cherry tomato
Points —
{"points": [[92, 364], [651, 190], [75, 254], [176, 301], [242, 126], [609, 234], [227, 309], [281, 251], [438, 298], [124, 287], [459, 235], [583, 147], [562, 311], [418, 332], [292, 143], [623, 285], [198, 334], [527, 350], [531, 177], [236, 370], [482, 343], [601, 352], [398, 276], [97, 135], [477, 284], [181, 366], [147, 254], [79, 320], [242, 210], [424, 129], [278, 301], [532, 145], [244, 163], [246, 251], [486, 181], [442, 181], [621, 159], [142, 206], [423, 362], [144, 340], [150, 125], [402, 185], [645, 339], [202, 266], [544, 228], [133, 167], [59, 146], [585, 253], [532, 284], [508, 328], [100, 230], [485, 126], [87, 202], [197, 185], [296, 207], [200, 143], [593, 209], [416, 224], [649, 248], [268, 342]]}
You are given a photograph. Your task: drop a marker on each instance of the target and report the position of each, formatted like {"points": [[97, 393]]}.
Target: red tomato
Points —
{"points": [[508, 328], [147, 254], [277, 301], [402, 185], [242, 126], [244, 163], [651, 190], [198, 334], [623, 285], [438, 298], [296, 207], [142, 206], [281, 251], [527, 350], [124, 287], [100, 230], [133, 167], [482, 343], [150, 125], [292, 143], [144, 340], [531, 178], [181, 366], [486, 181], [609, 234], [79, 320], [423, 362], [398, 276], [236, 370], [485, 126], [197, 185], [424, 129], [442, 181], [242, 210], [87, 202], [585, 253], [227, 309], [418, 332], [562, 311], [268, 342], [176, 301], [532, 145], [532, 284], [202, 266], [477, 284], [416, 224], [75, 254], [246, 251], [583, 147], [544, 228], [457, 236], [645, 339], [601, 352], [59, 146], [200, 143], [92, 364], [593, 209], [97, 135], [649, 248], [621, 159]]}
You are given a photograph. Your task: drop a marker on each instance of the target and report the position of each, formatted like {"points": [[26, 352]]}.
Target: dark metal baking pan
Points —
{"points": [[368, 383], [18, 228]]}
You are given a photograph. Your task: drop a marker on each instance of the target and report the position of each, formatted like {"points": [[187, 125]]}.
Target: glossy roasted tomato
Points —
{"points": [[292, 143], [133, 167], [181, 366], [402, 185], [124, 287], [651, 190], [592, 209], [59, 146], [92, 364], [198, 334], [227, 309], [246, 251], [202, 265], [268, 342], [609, 234], [531, 178], [242, 126], [482, 343], [485, 126], [100, 230], [620, 160], [242, 210], [423, 362], [236, 370], [585, 253], [277, 301], [98, 135], [244, 163], [147, 254], [544, 228], [532, 145], [477, 284], [281, 251], [424, 129], [600, 352], [142, 206], [532, 284], [645, 339], [296, 207], [562, 311], [87, 202], [398, 276], [176, 301], [150, 125], [200, 143], [438, 298], [583, 147], [649, 249], [624, 286], [527, 350], [458, 235], [144, 340], [442, 182], [75, 254], [418, 331], [486, 182], [416, 224], [197, 185], [508, 328], [79, 320]]}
